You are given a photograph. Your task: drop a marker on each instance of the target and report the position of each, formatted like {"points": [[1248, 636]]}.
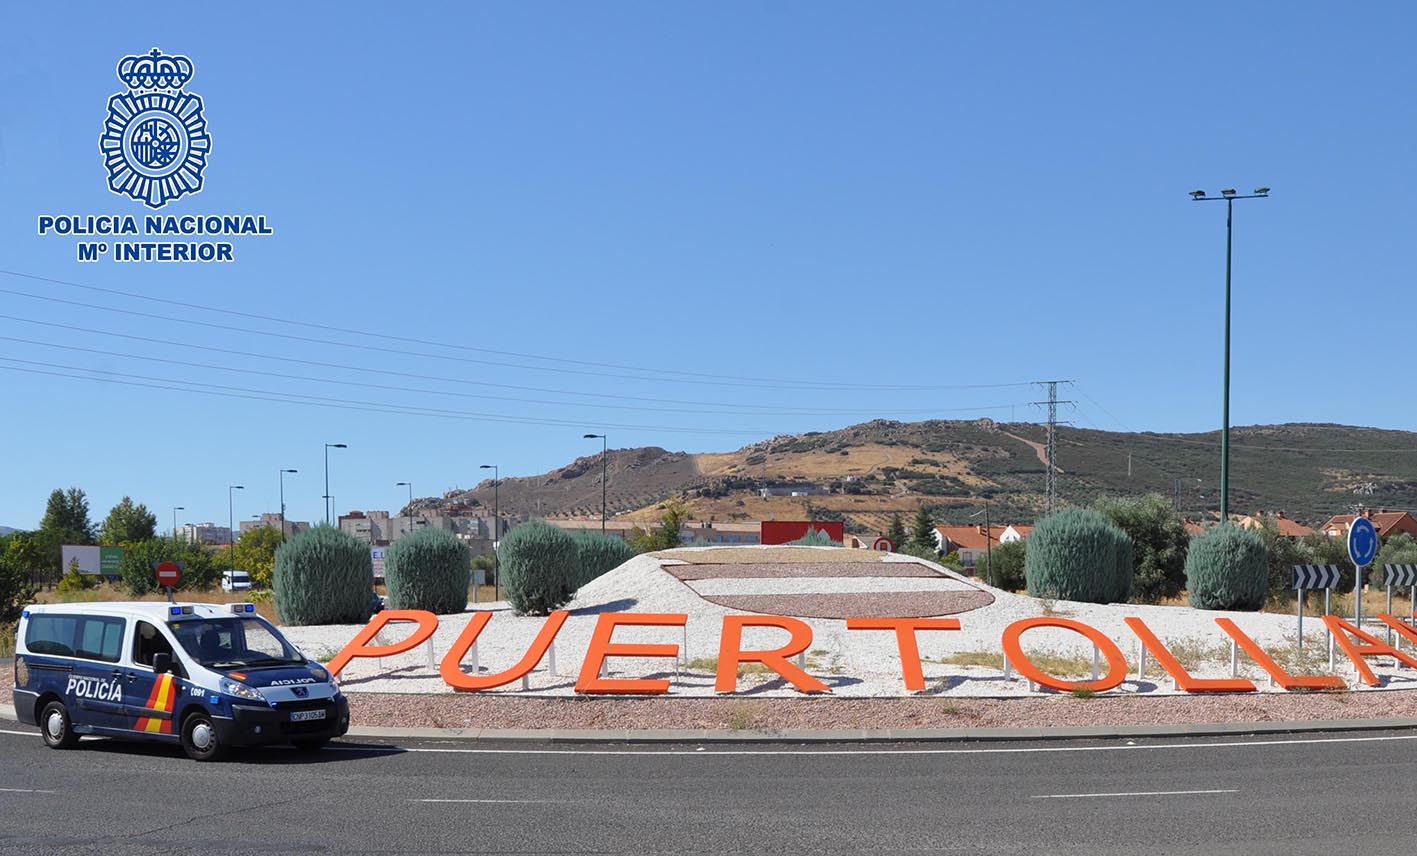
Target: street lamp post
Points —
{"points": [[496, 529], [604, 450], [282, 502], [231, 521], [408, 485], [328, 447], [1229, 196], [175, 509]]}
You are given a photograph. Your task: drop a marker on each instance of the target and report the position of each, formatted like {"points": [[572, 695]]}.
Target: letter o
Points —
{"points": [[1013, 651]]}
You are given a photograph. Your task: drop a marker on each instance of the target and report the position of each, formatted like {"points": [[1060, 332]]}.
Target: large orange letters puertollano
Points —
{"points": [[730, 652], [1276, 671], [359, 646], [1178, 672], [1013, 650], [1375, 647], [905, 640], [451, 667], [601, 647]]}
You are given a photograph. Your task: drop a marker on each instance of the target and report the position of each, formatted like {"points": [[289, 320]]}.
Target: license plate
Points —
{"points": [[306, 715]]}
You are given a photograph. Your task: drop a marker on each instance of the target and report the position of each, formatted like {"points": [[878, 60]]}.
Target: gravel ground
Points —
{"points": [[912, 604], [739, 570]]}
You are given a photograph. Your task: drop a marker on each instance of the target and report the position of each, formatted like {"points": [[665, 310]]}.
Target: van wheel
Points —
{"points": [[200, 740], [57, 728], [310, 744]]}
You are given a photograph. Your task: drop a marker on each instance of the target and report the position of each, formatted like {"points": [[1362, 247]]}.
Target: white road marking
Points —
{"points": [[515, 802], [1133, 794], [22, 733], [24, 791]]}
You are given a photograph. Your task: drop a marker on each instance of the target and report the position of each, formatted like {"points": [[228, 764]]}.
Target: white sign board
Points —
{"points": [[86, 557], [377, 554]]}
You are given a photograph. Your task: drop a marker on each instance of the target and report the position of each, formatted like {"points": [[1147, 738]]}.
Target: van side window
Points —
{"points": [[52, 634], [100, 638], [147, 641]]}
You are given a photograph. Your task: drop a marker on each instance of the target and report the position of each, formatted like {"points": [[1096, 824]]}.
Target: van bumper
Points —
{"points": [[254, 726], [25, 701]]}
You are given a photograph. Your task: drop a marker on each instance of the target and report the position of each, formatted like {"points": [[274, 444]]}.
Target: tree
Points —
{"points": [[18, 557], [127, 523], [256, 554], [1008, 559], [1159, 543], [140, 560], [1283, 554], [922, 531], [665, 536], [66, 521], [896, 532]]}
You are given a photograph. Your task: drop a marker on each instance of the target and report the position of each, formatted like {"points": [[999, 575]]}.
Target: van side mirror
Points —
{"points": [[162, 663]]}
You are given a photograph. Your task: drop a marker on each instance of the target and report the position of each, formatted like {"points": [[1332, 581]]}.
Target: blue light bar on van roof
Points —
{"points": [[240, 608], [179, 610]]}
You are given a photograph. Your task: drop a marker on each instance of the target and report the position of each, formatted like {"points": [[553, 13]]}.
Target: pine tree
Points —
{"points": [[922, 530], [128, 523], [896, 532]]}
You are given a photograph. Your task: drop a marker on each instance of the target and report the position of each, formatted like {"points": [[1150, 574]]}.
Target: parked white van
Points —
{"points": [[235, 581]]}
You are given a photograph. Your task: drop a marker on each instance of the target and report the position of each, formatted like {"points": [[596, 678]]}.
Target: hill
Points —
{"points": [[865, 472], [6, 530]]}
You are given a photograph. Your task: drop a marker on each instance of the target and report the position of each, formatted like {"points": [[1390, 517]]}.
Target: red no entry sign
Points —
{"points": [[168, 573], [884, 545]]}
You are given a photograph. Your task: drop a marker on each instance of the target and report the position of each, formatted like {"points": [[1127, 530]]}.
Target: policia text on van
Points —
{"points": [[210, 677]]}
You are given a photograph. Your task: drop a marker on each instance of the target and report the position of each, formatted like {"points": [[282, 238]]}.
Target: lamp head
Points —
{"points": [[337, 445], [1261, 191], [594, 436], [1228, 192], [290, 471], [1197, 194], [486, 466]]}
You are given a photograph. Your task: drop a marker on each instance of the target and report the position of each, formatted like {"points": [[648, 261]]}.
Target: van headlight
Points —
{"points": [[240, 690]]}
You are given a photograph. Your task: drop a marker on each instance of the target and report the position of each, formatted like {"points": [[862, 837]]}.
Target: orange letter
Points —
{"points": [[601, 647], [1116, 663], [358, 647], [1356, 652], [455, 677], [1281, 677], [905, 639], [1396, 624], [1178, 672], [730, 653]]}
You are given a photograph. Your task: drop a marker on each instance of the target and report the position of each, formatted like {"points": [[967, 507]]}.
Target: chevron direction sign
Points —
{"points": [[1399, 575], [1310, 577]]}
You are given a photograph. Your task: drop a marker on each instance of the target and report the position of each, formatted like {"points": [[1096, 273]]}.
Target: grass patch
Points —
{"points": [[743, 716], [1083, 692], [1053, 664], [710, 664]]}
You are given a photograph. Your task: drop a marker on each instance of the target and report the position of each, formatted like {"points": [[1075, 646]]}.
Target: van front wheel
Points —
{"points": [[57, 728], [200, 740]]}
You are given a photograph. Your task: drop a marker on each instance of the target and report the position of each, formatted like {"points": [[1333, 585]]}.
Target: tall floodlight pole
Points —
{"points": [[328, 447], [175, 509], [231, 521], [496, 529], [408, 485], [1229, 196], [604, 451], [281, 476]]}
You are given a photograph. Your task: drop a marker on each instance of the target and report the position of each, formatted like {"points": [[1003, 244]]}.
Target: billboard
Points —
{"points": [[377, 555], [91, 560], [782, 531]]}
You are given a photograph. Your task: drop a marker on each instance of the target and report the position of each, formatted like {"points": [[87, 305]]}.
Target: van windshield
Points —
{"points": [[230, 643]]}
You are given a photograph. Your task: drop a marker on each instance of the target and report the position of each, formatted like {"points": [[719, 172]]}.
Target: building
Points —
{"points": [[613, 528], [771, 491], [1388, 523], [272, 521], [970, 542], [1290, 529], [1014, 532], [380, 529], [728, 534], [205, 533]]}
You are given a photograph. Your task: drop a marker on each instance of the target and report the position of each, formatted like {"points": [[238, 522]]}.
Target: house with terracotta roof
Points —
{"points": [[1387, 523], [970, 542], [1290, 529]]}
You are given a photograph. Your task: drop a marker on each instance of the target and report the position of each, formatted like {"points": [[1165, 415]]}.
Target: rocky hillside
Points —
{"points": [[863, 473]]}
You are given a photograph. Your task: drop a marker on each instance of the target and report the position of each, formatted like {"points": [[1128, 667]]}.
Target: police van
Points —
{"points": [[209, 677]]}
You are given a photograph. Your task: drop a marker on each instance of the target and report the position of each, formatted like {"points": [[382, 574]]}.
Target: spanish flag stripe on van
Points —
{"points": [[162, 698]]}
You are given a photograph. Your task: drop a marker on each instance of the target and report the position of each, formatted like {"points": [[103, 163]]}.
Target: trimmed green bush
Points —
{"points": [[1227, 568], [538, 567], [429, 569], [1077, 554], [599, 553], [323, 576]]}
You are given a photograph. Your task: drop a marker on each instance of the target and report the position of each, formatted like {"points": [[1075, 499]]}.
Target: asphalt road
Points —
{"points": [[1330, 794]]}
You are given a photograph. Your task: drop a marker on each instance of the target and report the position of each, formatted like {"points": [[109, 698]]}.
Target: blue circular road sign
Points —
{"points": [[1362, 542]]}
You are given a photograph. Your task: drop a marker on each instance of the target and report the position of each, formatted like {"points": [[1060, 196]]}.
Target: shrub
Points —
{"points": [[1227, 568], [814, 538], [75, 581], [323, 576], [1077, 554], [428, 569], [596, 554], [199, 569], [1158, 543], [538, 567], [1007, 571]]}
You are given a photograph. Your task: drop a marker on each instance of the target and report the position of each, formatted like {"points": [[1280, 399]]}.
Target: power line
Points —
{"points": [[704, 378]]}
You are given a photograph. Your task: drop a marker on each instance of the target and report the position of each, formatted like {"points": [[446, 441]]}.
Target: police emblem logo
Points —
{"points": [[155, 140]]}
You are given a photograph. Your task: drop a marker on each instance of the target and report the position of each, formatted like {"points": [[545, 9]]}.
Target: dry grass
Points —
{"points": [[7, 638], [264, 607]]}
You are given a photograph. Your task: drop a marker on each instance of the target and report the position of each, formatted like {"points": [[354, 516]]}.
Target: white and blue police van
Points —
{"points": [[209, 677]]}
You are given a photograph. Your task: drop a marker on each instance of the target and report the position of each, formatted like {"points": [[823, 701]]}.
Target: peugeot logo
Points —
{"points": [[300, 692]]}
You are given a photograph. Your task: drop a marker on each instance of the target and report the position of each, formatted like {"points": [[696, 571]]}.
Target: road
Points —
{"points": [[1333, 794]]}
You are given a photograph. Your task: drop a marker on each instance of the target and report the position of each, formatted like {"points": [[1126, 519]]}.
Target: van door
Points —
{"points": [[93, 690], [151, 697]]}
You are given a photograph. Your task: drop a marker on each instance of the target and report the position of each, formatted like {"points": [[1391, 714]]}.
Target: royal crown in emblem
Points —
{"points": [[155, 140]]}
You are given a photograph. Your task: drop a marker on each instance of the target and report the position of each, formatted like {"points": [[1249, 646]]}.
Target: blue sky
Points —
{"points": [[842, 198]]}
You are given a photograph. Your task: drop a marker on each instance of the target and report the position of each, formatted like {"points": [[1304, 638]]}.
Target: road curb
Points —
{"points": [[886, 735]]}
